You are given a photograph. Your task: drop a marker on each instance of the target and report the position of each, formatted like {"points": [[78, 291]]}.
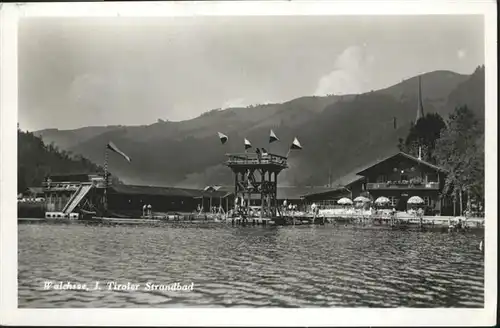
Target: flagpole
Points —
{"points": [[106, 179]]}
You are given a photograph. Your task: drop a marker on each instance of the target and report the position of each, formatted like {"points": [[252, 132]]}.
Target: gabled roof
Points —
{"points": [[339, 184], [297, 192], [346, 180], [66, 177], [415, 159], [163, 191]]}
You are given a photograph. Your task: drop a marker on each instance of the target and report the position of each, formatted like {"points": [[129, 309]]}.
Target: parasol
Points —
{"points": [[344, 201], [415, 200], [382, 200]]}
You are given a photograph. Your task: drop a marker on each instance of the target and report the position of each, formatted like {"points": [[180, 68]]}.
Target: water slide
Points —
{"points": [[77, 197]]}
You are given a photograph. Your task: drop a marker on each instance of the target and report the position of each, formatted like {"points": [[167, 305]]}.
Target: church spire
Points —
{"points": [[420, 108]]}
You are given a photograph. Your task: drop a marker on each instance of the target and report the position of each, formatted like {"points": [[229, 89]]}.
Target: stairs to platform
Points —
{"points": [[77, 197]]}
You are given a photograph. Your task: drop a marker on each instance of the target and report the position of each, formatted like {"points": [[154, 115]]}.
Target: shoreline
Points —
{"points": [[430, 223]]}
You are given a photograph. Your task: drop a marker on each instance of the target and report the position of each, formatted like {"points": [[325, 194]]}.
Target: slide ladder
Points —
{"points": [[77, 197]]}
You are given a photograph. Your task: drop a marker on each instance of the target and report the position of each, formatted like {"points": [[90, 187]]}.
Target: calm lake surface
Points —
{"points": [[301, 266]]}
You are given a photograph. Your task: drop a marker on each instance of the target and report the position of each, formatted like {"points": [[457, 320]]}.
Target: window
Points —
{"points": [[393, 200], [427, 200]]}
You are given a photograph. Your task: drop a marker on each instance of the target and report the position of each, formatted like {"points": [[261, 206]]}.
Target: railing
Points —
{"points": [[385, 185], [254, 158], [61, 186], [72, 186]]}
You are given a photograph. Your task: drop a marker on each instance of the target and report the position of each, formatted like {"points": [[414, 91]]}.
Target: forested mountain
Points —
{"points": [[338, 133], [470, 92], [36, 160]]}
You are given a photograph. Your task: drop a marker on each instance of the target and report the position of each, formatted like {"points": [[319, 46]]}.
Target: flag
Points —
{"points": [[296, 144], [113, 147], [223, 138], [247, 144], [273, 137]]}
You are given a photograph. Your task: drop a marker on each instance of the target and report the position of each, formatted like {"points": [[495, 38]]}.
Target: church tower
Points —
{"points": [[420, 108]]}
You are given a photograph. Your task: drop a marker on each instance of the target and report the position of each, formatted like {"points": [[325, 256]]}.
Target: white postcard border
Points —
{"points": [[10, 314]]}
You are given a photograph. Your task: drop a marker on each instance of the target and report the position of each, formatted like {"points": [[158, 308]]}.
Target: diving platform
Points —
{"points": [[66, 195], [256, 174]]}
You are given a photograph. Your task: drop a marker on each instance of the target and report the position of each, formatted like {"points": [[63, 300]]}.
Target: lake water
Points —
{"points": [[301, 266]]}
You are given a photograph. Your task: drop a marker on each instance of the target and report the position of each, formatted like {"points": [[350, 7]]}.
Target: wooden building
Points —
{"points": [[131, 199], [59, 189], [292, 195], [401, 176], [69, 193], [397, 177], [350, 186]]}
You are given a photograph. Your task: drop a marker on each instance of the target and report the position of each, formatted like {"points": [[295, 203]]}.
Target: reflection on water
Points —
{"points": [[299, 266]]}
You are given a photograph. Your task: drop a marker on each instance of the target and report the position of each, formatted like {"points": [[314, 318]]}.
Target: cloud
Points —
{"points": [[351, 74], [461, 54], [235, 103]]}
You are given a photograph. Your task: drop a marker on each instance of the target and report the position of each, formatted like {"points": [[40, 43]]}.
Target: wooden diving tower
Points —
{"points": [[256, 174]]}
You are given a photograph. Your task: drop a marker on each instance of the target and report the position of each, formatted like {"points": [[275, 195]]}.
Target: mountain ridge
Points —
{"points": [[188, 153]]}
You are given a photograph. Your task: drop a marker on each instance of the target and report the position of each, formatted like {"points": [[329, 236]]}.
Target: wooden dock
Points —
{"points": [[372, 220]]}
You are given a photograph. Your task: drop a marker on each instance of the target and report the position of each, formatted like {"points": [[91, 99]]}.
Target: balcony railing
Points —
{"points": [[253, 158], [385, 185], [73, 186]]}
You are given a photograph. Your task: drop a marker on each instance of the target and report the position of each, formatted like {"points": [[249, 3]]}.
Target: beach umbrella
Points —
{"points": [[382, 200], [361, 199], [344, 201], [415, 200]]}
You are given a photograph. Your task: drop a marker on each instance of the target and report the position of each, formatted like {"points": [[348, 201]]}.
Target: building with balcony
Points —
{"points": [[60, 189], [397, 177], [68, 193], [401, 176], [350, 185]]}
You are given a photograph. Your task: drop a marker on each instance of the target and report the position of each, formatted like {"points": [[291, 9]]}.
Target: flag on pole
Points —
{"points": [[273, 137], [247, 144], [113, 147], [223, 138], [296, 144]]}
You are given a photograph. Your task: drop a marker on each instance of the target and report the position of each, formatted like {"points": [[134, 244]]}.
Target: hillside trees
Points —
{"points": [[460, 151], [36, 161], [423, 134]]}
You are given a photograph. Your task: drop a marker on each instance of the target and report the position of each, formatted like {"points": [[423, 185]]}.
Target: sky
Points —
{"points": [[76, 72]]}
